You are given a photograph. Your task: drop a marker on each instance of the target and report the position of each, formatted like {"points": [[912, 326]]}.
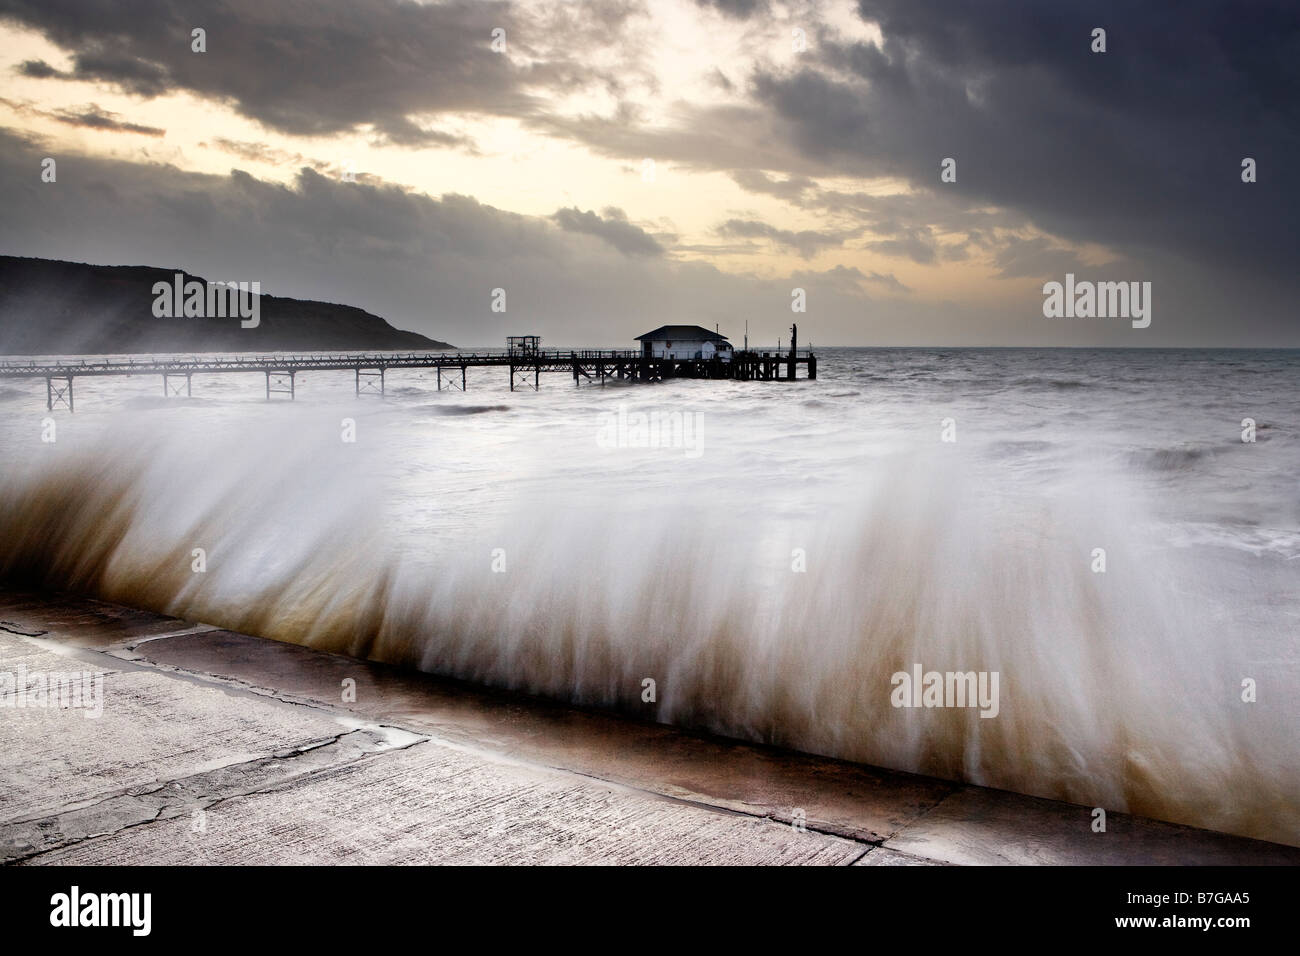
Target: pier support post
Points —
{"points": [[168, 391], [54, 394], [451, 382], [279, 386], [522, 371], [370, 375]]}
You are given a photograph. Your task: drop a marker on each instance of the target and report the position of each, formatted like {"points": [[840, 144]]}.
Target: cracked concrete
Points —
{"points": [[216, 747]]}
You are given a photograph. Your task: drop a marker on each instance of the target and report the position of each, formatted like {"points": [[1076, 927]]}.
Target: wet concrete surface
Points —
{"points": [[216, 747]]}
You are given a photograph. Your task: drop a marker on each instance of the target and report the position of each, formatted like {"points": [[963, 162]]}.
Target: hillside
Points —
{"points": [[49, 306]]}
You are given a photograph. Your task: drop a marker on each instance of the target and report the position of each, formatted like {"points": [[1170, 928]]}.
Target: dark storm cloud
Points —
{"points": [[1139, 147], [614, 228], [310, 69]]}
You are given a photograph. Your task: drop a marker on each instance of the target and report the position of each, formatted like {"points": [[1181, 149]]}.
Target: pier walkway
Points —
{"points": [[586, 366]]}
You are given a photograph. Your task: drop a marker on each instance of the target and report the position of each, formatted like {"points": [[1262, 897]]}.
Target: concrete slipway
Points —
{"points": [[216, 747]]}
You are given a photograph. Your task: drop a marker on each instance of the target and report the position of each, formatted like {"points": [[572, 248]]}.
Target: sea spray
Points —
{"points": [[1117, 689]]}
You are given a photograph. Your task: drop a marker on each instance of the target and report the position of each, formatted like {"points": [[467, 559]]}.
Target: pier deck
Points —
{"points": [[585, 366]]}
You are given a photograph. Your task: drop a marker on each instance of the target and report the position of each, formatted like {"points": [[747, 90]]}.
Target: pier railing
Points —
{"points": [[39, 367], [587, 366]]}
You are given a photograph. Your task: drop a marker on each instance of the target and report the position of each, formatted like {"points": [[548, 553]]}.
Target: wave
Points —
{"points": [[439, 410], [1116, 691], [1177, 458], [1056, 384]]}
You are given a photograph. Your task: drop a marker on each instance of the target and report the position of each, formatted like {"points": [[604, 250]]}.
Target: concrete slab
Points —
{"points": [[84, 621], [33, 655], [153, 728], [881, 856], [851, 800], [258, 737], [979, 827], [433, 803], [188, 797]]}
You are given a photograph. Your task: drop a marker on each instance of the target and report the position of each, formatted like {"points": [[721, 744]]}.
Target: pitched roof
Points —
{"points": [[685, 333]]}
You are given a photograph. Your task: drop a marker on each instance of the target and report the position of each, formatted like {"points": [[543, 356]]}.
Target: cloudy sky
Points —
{"points": [[627, 163]]}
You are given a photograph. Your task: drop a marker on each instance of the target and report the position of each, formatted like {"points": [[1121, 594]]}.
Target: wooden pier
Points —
{"points": [[525, 367]]}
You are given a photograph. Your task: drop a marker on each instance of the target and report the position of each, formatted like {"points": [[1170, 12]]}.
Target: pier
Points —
{"points": [[524, 361]]}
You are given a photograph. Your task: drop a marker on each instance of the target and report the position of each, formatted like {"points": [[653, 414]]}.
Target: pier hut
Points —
{"points": [[688, 342]]}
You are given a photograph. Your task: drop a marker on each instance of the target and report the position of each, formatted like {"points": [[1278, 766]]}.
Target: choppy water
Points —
{"points": [[1120, 689]]}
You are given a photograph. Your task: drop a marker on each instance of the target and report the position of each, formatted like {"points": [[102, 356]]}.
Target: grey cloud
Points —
{"points": [[260, 152], [916, 246], [888, 280], [92, 117], [38, 69], [739, 9], [87, 117], [792, 189], [627, 238], [807, 242], [1035, 258], [730, 137], [135, 74], [847, 278], [913, 224]]}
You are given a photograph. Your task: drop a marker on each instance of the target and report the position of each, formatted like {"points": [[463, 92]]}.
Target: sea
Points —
{"points": [[1114, 534]]}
